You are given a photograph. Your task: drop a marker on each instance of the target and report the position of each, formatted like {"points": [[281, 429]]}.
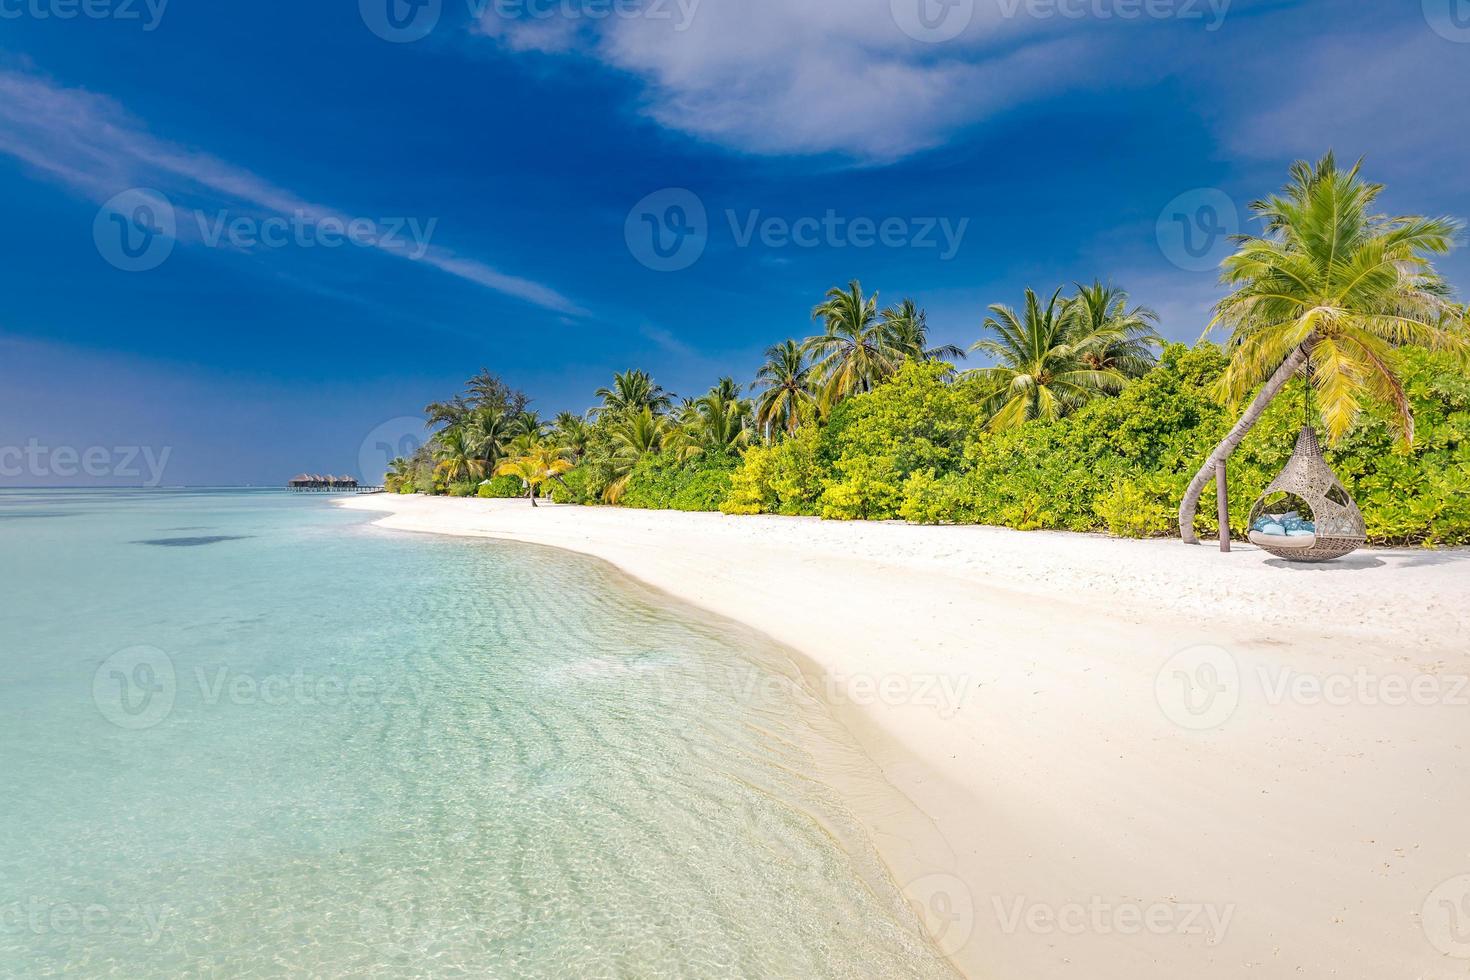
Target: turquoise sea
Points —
{"points": [[246, 734]]}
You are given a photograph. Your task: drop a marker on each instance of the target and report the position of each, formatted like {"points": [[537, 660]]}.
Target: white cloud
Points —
{"points": [[92, 145], [1396, 96], [811, 76]]}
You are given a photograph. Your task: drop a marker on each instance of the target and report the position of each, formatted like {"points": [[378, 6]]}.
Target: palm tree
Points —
{"points": [[528, 424], [1105, 308], [631, 391], [399, 475], [727, 389], [490, 431], [856, 352], [538, 464], [715, 423], [1331, 288], [908, 330], [458, 456], [1043, 368], [786, 396], [573, 432], [633, 436]]}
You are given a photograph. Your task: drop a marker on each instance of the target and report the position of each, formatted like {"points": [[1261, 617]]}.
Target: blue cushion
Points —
{"points": [[1271, 527]]}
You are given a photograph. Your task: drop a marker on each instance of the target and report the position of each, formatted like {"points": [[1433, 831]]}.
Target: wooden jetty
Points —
{"points": [[305, 483]]}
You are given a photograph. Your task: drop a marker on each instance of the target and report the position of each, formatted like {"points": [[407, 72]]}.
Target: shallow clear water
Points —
{"points": [[246, 734]]}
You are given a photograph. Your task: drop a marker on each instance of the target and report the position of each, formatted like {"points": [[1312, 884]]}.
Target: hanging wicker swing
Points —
{"points": [[1332, 525]]}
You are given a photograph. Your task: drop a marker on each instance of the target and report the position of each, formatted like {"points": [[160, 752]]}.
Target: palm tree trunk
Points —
{"points": [[1272, 388]]}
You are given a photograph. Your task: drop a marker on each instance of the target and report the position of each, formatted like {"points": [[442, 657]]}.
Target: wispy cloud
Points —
{"points": [[817, 76], [1368, 110], [94, 146]]}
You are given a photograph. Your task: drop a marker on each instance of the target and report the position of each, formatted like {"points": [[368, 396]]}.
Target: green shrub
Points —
{"points": [[502, 488], [916, 421], [917, 448], [928, 499], [867, 488], [572, 488], [669, 481], [783, 478], [1130, 511], [461, 490], [751, 491]]}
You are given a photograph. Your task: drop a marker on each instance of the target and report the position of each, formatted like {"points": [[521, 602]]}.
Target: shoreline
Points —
{"points": [[1013, 688]]}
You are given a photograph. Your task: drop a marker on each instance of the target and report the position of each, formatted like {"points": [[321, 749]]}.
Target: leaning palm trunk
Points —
{"points": [[1222, 452]]}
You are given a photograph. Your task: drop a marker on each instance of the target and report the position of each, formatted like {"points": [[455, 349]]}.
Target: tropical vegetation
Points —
{"points": [[1078, 416]]}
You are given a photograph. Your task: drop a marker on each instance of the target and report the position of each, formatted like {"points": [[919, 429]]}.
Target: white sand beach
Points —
{"points": [[1142, 760]]}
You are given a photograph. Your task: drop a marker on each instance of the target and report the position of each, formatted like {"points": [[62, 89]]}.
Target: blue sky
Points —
{"points": [[505, 165]]}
